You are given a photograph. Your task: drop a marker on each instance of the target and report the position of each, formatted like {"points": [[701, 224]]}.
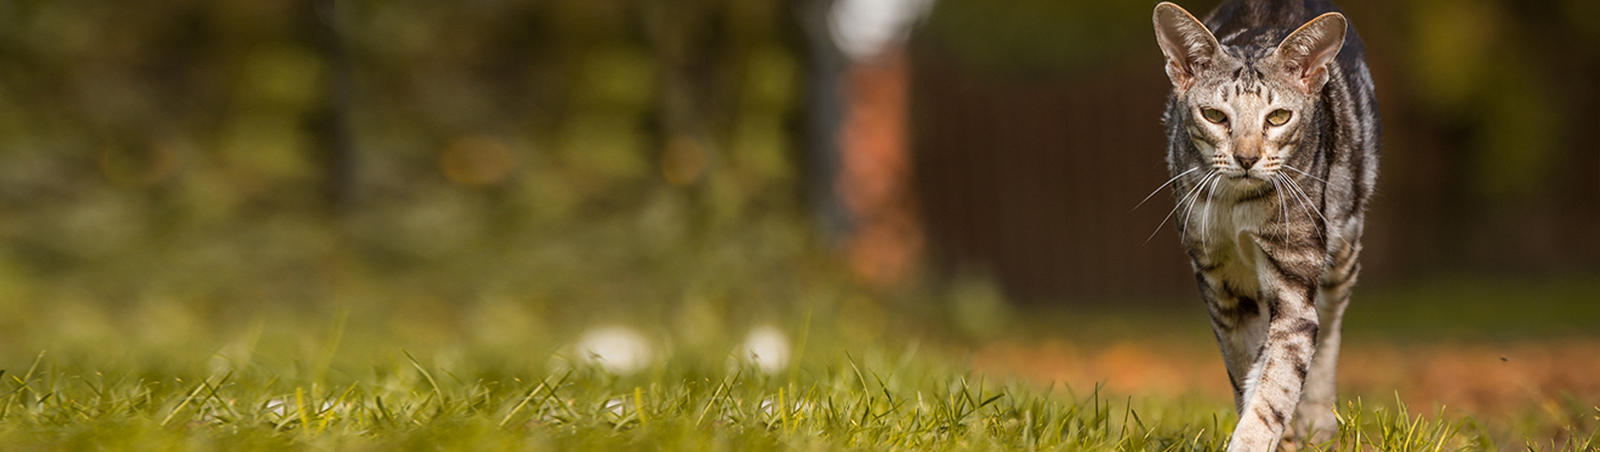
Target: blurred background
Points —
{"points": [[499, 175]]}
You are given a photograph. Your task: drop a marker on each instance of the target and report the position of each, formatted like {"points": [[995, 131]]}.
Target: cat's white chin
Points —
{"points": [[1245, 182], [1254, 177]]}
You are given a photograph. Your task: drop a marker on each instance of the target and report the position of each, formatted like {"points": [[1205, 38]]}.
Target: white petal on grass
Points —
{"points": [[281, 407], [617, 349], [768, 348], [770, 407], [617, 405]]}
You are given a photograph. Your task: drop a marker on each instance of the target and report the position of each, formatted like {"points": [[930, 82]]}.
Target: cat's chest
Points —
{"points": [[1224, 241]]}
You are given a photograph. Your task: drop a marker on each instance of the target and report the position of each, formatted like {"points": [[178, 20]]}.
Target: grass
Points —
{"points": [[876, 399], [366, 372], [365, 375]]}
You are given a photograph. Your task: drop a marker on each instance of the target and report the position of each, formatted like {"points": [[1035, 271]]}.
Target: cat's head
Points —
{"points": [[1246, 108]]}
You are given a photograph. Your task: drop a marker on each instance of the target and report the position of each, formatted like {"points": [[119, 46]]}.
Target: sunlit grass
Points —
{"points": [[874, 398], [837, 374], [719, 347]]}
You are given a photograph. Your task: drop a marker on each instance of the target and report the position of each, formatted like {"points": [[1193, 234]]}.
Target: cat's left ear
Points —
{"points": [[1306, 53]]}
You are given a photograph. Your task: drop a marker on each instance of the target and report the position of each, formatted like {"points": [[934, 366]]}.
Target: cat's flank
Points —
{"points": [[1272, 131]]}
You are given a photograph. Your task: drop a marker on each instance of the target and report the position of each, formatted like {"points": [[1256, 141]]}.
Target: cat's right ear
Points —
{"points": [[1188, 45]]}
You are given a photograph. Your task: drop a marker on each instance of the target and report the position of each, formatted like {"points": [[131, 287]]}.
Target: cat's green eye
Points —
{"points": [[1214, 115], [1278, 117]]}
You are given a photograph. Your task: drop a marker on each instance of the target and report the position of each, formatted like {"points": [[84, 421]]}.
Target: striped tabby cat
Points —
{"points": [[1272, 132]]}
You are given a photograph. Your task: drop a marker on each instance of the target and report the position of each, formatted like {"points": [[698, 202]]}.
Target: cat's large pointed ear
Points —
{"points": [[1188, 45], [1306, 53]]}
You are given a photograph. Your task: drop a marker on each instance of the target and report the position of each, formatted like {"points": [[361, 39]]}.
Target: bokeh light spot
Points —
{"points": [[768, 348], [618, 349]]}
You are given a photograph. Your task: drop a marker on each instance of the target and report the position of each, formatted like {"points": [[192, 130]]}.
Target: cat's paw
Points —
{"points": [[1253, 437]]}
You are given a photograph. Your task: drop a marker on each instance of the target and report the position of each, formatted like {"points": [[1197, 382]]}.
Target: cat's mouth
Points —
{"points": [[1259, 175], [1248, 179]]}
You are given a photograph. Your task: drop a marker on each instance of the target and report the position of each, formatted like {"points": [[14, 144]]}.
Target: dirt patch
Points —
{"points": [[1487, 379]]}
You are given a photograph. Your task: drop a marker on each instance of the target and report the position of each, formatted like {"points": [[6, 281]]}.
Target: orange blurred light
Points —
{"points": [[875, 173]]}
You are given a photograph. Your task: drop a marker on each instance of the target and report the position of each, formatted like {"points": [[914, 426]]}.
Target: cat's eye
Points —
{"points": [[1214, 115], [1278, 117]]}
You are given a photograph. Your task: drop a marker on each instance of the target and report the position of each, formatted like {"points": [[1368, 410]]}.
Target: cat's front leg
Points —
{"points": [[1278, 373], [1314, 421]]}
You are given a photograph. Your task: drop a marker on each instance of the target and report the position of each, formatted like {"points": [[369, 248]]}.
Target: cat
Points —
{"points": [[1272, 131]]}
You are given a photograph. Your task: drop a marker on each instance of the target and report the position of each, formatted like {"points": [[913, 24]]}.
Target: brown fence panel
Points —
{"points": [[1035, 181]]}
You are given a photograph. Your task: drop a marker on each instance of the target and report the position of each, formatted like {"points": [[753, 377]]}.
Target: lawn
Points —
{"points": [[835, 376], [878, 401]]}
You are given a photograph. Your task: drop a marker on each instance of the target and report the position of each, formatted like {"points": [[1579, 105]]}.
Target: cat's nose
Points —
{"points": [[1245, 162]]}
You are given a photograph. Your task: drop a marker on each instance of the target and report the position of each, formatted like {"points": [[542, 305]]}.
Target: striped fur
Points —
{"points": [[1272, 131]]}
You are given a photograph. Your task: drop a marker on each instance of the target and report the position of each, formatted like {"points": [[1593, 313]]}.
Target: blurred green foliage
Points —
{"points": [[505, 172], [1471, 66], [159, 150]]}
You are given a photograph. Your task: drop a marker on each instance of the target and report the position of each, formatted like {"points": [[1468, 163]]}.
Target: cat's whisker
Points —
{"points": [[1205, 221], [1307, 197], [1192, 197], [1163, 186], [1297, 170], [1284, 188], [1174, 210], [1207, 187], [1188, 211], [1307, 205], [1192, 191], [1283, 209]]}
